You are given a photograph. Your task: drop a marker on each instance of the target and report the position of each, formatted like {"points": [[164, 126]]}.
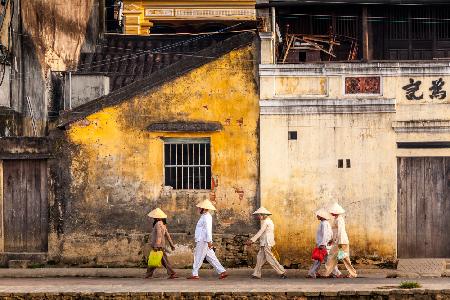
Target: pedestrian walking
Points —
{"points": [[324, 238], [158, 242], [340, 249], [266, 242], [204, 242]]}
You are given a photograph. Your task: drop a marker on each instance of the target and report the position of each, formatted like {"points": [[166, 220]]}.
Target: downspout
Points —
{"points": [[70, 90], [274, 35]]}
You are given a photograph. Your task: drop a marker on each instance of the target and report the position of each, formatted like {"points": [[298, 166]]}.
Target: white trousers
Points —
{"points": [[201, 252]]}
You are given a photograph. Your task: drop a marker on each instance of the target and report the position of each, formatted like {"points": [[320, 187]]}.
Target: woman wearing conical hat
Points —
{"points": [[340, 242], [204, 242], [158, 241], [324, 238], [266, 241]]}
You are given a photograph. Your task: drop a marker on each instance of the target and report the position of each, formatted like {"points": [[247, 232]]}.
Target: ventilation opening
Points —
{"points": [[292, 135]]}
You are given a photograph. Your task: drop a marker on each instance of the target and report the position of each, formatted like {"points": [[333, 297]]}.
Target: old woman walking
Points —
{"points": [[266, 242], [340, 243], [204, 242], [158, 241]]}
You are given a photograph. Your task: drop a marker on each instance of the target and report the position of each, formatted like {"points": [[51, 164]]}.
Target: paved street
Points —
{"points": [[239, 282]]}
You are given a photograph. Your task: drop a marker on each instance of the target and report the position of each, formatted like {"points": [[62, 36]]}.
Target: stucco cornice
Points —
{"points": [[328, 106], [185, 126], [415, 68], [421, 126]]}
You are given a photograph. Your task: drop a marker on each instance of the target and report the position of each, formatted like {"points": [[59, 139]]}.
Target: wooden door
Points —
{"points": [[25, 206], [423, 207]]}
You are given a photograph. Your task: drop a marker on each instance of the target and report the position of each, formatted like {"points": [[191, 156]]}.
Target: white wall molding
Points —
{"points": [[412, 68], [421, 126], [326, 106]]}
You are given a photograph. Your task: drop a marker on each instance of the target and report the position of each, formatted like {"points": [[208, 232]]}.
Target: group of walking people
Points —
{"points": [[331, 241]]}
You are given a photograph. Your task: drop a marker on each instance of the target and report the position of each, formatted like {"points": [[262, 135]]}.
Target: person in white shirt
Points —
{"points": [[204, 242], [340, 242], [324, 237], [266, 241]]}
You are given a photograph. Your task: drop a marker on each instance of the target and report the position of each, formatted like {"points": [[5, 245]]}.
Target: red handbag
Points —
{"points": [[319, 254]]}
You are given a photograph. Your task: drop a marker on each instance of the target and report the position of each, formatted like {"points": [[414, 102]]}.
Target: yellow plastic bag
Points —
{"points": [[154, 259]]}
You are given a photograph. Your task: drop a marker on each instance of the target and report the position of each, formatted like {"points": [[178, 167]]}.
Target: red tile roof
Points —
{"points": [[126, 58], [169, 70]]}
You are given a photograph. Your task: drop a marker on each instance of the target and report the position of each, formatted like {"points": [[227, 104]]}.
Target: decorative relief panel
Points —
{"points": [[227, 13], [149, 12], [363, 85], [300, 87]]}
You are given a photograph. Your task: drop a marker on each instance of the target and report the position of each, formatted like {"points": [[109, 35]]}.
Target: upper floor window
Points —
{"points": [[187, 164], [348, 33]]}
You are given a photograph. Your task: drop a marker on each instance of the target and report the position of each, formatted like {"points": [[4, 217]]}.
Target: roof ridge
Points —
{"points": [[156, 79]]}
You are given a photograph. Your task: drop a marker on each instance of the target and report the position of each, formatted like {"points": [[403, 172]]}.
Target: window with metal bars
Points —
{"points": [[187, 164]]}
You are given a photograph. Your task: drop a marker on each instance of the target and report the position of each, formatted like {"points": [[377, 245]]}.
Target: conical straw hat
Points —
{"points": [[157, 214], [336, 209], [206, 205], [262, 211], [323, 214]]}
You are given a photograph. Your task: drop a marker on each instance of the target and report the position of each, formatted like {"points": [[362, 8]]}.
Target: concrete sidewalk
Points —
{"points": [[139, 272]]}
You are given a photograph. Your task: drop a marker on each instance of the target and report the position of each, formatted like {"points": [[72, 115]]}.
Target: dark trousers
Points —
{"points": [[166, 264]]}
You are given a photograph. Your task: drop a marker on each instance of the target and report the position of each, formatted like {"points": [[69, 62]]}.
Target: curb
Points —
{"points": [[380, 295]]}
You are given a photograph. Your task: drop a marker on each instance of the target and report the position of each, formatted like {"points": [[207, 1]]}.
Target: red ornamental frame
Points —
{"points": [[363, 85]]}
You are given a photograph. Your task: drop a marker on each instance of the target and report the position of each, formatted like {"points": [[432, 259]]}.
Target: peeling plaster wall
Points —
{"points": [[306, 177], [110, 172], [54, 34], [6, 20]]}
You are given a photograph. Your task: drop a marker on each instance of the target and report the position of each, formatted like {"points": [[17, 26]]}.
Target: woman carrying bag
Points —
{"points": [[158, 255], [324, 237], [340, 250]]}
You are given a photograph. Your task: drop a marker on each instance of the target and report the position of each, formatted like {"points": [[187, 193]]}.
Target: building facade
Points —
{"points": [[180, 135], [355, 108]]}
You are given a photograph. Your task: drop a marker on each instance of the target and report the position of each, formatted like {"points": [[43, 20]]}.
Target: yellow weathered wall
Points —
{"points": [[297, 177], [116, 166]]}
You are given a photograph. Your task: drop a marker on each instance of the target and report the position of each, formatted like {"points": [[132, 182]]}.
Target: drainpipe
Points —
{"points": [[70, 90], [274, 35]]}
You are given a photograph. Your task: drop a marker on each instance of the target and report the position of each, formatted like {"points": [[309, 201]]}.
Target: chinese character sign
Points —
{"points": [[412, 88], [436, 90]]}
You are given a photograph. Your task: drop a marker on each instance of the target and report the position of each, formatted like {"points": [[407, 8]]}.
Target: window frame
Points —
{"points": [[189, 141]]}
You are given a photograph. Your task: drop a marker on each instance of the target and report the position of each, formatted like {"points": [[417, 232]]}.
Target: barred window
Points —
{"points": [[187, 164]]}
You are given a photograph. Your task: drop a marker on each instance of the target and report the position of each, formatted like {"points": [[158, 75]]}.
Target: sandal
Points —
{"points": [[193, 278], [223, 275], [173, 276]]}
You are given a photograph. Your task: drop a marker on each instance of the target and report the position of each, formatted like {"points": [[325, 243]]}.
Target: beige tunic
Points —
{"points": [[159, 236]]}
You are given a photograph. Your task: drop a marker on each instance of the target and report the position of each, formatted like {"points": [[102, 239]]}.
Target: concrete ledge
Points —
{"points": [[332, 106], [385, 68], [24, 147]]}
